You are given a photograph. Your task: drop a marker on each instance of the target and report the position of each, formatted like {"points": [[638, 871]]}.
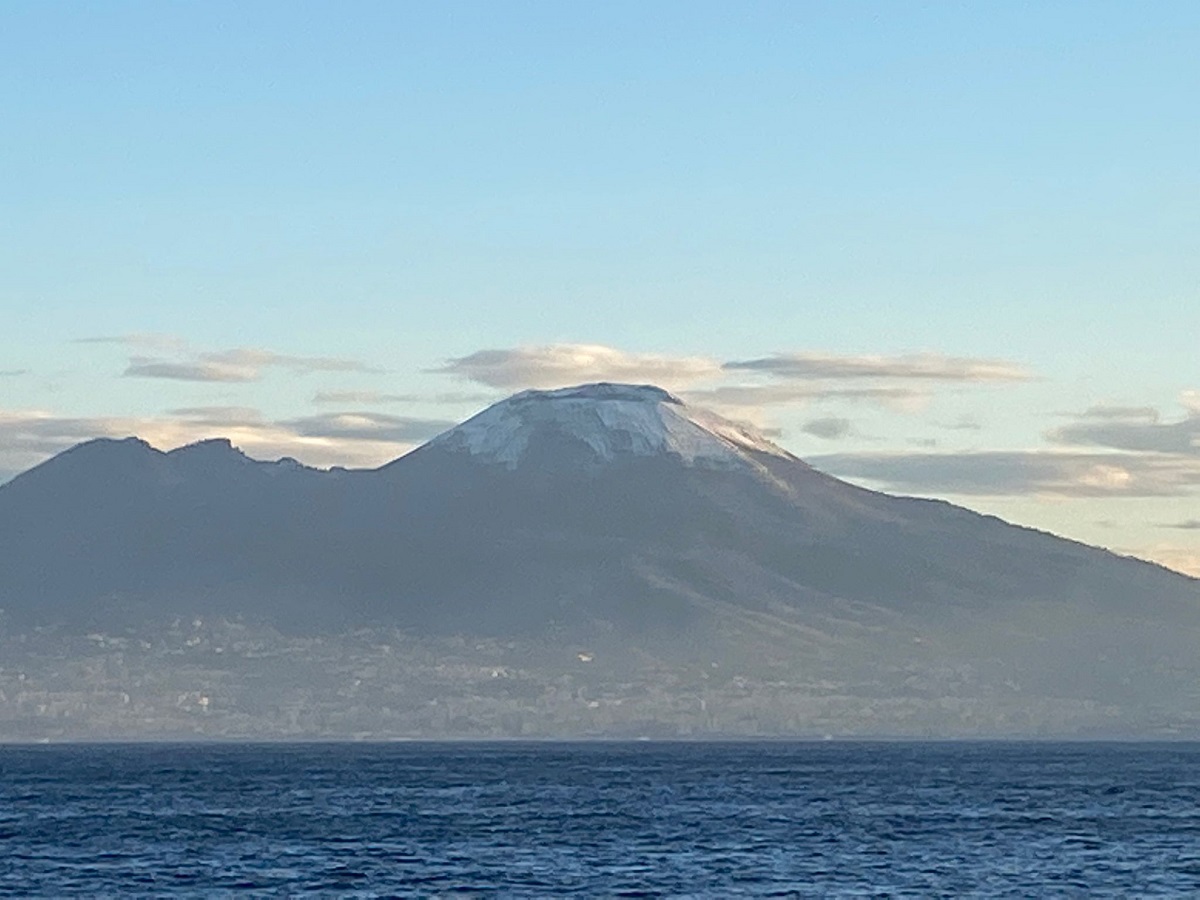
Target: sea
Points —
{"points": [[636, 819]]}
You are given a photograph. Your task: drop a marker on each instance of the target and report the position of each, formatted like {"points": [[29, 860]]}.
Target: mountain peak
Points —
{"points": [[612, 421], [103, 451], [112, 445], [209, 447]]}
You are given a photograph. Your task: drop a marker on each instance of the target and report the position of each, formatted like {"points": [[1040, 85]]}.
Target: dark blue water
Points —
{"points": [[638, 819]]}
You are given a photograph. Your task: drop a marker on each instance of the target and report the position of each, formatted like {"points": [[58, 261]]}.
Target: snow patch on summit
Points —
{"points": [[613, 420]]}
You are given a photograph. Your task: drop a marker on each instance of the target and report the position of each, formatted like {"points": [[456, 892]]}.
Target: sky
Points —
{"points": [[943, 249]]}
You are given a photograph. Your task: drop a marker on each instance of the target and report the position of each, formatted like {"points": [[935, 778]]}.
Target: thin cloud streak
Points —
{"points": [[219, 415], [1118, 413], [257, 358], [919, 367], [753, 396], [170, 357], [195, 371], [146, 340], [374, 398], [363, 397]]}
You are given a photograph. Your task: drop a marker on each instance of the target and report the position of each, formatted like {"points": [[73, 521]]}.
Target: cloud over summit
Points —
{"points": [[559, 365], [743, 387]]}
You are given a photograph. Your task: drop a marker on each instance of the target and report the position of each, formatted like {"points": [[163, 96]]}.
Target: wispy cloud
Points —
{"points": [[557, 365], [962, 423], [829, 428], [363, 397], [13, 373], [140, 367], [370, 426], [1186, 525], [220, 416], [378, 398], [1144, 433], [170, 357], [141, 340], [753, 396], [1015, 473], [241, 364], [918, 367], [1118, 413]]}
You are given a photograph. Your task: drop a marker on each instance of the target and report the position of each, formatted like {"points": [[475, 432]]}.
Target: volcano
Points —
{"points": [[601, 516], [605, 506]]}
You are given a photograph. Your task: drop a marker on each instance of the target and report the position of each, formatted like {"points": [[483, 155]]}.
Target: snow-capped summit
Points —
{"points": [[613, 420]]}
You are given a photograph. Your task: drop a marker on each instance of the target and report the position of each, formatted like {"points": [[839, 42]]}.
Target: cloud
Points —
{"points": [[170, 357], [13, 373], [962, 423], [242, 364], [829, 428], [193, 371], [1120, 413], [364, 397], [786, 394], [744, 387], [1186, 525], [219, 415], [557, 365], [368, 426], [919, 367], [255, 358], [371, 398], [1016, 473], [145, 340], [1108, 451], [1144, 434]]}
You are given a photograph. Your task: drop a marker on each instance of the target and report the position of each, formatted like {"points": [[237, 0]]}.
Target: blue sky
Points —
{"points": [[289, 220]]}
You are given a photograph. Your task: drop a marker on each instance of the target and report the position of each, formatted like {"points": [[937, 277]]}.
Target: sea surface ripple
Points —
{"points": [[600, 820]]}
